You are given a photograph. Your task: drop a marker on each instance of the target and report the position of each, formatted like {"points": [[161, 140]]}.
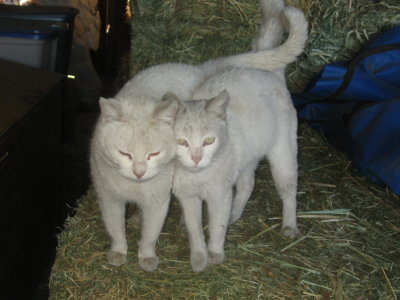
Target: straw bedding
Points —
{"points": [[350, 243]]}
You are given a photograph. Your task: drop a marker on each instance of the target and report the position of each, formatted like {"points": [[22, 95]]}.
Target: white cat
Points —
{"points": [[133, 143], [220, 143]]}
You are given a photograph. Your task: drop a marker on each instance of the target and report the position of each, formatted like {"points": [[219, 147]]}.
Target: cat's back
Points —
{"points": [[158, 80], [255, 96], [242, 85], [259, 105]]}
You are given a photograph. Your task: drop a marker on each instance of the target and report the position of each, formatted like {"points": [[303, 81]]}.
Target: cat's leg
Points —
{"points": [[113, 212], [244, 188], [136, 217], [219, 208], [192, 212], [283, 162], [153, 214], [182, 226]]}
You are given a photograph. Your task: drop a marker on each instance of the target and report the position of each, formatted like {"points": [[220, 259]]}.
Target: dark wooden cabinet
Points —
{"points": [[30, 176]]}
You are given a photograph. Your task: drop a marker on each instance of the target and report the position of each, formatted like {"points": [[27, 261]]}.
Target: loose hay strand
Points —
{"points": [[350, 248], [389, 283]]}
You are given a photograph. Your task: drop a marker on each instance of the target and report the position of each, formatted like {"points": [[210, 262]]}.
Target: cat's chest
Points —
{"points": [[190, 185], [154, 189], [201, 183]]}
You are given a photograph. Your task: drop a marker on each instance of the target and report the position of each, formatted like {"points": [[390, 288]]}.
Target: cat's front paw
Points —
{"points": [[215, 258], [290, 232], [116, 258], [149, 263], [198, 261]]}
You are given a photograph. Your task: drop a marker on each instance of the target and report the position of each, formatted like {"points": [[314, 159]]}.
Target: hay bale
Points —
{"points": [[196, 30], [191, 31], [350, 247], [351, 228]]}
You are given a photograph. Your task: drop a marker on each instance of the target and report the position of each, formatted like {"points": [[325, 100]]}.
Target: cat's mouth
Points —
{"points": [[195, 168], [191, 166], [136, 179], [143, 179]]}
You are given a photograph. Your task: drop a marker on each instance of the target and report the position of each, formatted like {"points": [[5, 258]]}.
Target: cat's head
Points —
{"points": [[137, 138], [201, 131]]}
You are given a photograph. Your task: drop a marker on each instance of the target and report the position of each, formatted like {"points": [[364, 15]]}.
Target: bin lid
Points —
{"points": [[29, 29], [37, 12]]}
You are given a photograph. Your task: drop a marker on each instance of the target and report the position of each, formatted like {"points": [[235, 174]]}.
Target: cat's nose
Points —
{"points": [[139, 168], [196, 159], [138, 174]]}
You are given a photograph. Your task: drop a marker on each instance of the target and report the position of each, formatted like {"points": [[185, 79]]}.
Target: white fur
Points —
{"points": [[260, 122], [271, 32], [268, 55], [138, 130], [255, 119], [136, 125]]}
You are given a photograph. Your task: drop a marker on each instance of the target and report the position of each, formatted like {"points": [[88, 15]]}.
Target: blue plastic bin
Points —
{"points": [[29, 42], [55, 14]]}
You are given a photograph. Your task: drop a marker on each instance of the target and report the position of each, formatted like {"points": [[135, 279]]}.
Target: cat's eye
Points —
{"points": [[208, 141], [128, 155], [152, 155], [182, 142]]}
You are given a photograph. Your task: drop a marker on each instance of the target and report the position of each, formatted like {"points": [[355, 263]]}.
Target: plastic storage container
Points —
{"points": [[30, 42], [57, 14]]}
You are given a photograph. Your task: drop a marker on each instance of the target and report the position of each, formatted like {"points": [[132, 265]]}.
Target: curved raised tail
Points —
{"points": [[267, 56], [271, 30]]}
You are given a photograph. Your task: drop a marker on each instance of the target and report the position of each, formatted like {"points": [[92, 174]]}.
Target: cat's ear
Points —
{"points": [[110, 110], [170, 97], [219, 104], [166, 110], [173, 97]]}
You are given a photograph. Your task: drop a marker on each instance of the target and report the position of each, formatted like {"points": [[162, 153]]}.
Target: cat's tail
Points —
{"points": [[267, 56], [271, 30]]}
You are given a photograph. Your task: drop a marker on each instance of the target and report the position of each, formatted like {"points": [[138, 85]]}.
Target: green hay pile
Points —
{"points": [[192, 31], [350, 247]]}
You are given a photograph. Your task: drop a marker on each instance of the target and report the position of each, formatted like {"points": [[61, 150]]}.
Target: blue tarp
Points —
{"points": [[356, 104]]}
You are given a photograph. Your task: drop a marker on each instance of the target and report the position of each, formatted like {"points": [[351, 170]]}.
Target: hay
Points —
{"points": [[350, 247], [351, 228], [193, 31]]}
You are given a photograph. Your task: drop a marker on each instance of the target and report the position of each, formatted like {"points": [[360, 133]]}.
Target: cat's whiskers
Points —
{"points": [[163, 171]]}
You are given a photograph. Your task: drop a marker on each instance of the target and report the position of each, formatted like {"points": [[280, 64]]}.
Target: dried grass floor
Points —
{"points": [[351, 228], [350, 247]]}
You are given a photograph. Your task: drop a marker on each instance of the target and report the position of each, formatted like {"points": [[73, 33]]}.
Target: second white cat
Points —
{"points": [[237, 117], [220, 143]]}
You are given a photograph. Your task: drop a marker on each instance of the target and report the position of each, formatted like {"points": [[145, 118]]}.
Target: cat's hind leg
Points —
{"points": [[244, 188], [283, 162], [285, 177], [136, 217], [153, 216], [182, 227]]}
